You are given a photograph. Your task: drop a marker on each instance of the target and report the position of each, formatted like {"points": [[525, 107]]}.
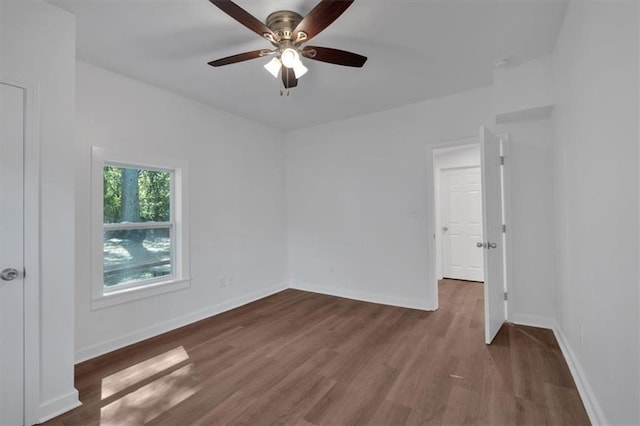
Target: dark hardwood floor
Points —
{"points": [[308, 359]]}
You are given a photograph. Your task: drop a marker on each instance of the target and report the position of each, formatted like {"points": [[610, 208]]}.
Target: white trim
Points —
{"points": [[432, 283], [524, 114], [84, 354], [362, 296], [136, 293], [31, 246], [137, 225], [594, 411], [534, 321], [432, 301], [100, 298], [505, 147], [591, 405], [67, 402], [57, 406], [638, 183]]}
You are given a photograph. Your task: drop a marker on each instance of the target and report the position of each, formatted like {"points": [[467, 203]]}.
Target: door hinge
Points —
{"points": [[505, 296], [504, 228], [502, 160], [24, 273]]}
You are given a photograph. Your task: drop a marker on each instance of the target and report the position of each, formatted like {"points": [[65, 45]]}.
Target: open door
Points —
{"points": [[494, 309]]}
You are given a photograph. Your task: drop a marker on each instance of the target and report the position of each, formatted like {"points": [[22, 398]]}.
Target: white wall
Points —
{"points": [[357, 199], [532, 287], [237, 203], [38, 46], [2, 35], [357, 209], [596, 152], [357, 203], [523, 91]]}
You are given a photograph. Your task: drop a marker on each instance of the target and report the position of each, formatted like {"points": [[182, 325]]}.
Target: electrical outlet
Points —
{"points": [[222, 281], [230, 280]]}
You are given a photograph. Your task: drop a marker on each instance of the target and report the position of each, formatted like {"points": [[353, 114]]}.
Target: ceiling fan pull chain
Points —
{"points": [[282, 88]]}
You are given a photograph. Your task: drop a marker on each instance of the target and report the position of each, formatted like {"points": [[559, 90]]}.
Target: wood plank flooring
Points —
{"points": [[308, 359]]}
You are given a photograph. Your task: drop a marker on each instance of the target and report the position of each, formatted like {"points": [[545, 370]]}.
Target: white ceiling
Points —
{"points": [[417, 49]]}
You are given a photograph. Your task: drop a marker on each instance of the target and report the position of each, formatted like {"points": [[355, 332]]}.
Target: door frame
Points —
{"points": [[31, 212], [432, 277]]}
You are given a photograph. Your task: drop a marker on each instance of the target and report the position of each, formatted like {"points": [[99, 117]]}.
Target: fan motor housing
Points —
{"points": [[283, 22]]}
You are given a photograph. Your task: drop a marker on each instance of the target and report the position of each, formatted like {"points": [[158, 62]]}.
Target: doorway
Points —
{"points": [[453, 192], [11, 254], [458, 205], [19, 253]]}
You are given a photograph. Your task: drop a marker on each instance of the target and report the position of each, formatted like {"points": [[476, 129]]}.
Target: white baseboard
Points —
{"points": [[594, 411], [65, 403], [84, 354], [364, 296], [533, 321], [57, 406]]}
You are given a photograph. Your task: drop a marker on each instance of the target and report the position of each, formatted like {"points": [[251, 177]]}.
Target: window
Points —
{"points": [[137, 231], [139, 228]]}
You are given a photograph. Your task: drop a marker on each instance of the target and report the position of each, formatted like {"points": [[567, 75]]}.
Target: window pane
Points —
{"points": [[136, 195], [132, 255]]}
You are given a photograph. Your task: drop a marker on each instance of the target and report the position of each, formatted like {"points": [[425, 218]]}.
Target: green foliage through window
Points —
{"points": [[149, 196], [131, 253]]}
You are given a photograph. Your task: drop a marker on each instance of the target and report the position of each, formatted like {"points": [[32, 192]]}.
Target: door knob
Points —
{"points": [[445, 229], [480, 244], [493, 245], [9, 274]]}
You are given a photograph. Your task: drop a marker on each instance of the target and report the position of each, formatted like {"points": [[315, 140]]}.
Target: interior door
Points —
{"points": [[494, 309], [462, 223], [11, 255]]}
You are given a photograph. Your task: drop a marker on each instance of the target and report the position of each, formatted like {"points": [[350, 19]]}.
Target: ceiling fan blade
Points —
{"points": [[334, 56], [320, 18], [244, 17], [239, 57], [288, 78]]}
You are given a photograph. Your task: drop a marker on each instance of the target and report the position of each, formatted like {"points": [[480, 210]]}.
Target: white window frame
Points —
{"points": [[102, 297]]}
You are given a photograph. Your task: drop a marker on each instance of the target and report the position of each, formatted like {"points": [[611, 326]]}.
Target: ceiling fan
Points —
{"points": [[287, 31]]}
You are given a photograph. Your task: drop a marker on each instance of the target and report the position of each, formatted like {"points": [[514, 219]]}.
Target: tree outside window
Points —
{"points": [[138, 242]]}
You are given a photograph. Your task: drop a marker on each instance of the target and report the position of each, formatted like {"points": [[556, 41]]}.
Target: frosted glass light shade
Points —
{"points": [[273, 66], [289, 58], [299, 69]]}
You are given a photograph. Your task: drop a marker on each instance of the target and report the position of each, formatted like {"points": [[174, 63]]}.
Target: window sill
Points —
{"points": [[137, 293]]}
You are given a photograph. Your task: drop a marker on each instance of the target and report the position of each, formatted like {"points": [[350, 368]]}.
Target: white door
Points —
{"points": [[494, 309], [11, 256], [461, 213]]}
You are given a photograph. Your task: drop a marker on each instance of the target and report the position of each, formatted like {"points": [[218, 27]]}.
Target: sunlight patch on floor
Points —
{"points": [[130, 376], [153, 399]]}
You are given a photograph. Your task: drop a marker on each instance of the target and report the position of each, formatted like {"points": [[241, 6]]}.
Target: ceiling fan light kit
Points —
{"points": [[287, 31], [289, 57], [273, 66]]}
